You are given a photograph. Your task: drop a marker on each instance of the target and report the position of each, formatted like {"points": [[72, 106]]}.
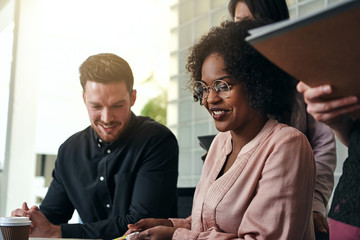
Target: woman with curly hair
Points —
{"points": [[258, 177], [320, 136]]}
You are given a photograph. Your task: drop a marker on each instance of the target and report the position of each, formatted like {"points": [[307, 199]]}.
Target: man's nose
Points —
{"points": [[106, 115]]}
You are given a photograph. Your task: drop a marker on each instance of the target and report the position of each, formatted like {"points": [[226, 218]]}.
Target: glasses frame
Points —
{"points": [[214, 85]]}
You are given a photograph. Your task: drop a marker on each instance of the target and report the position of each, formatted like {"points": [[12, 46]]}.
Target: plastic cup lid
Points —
{"points": [[14, 221]]}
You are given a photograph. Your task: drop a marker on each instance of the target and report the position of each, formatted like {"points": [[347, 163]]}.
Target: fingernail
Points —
{"points": [[133, 235], [326, 89], [352, 99]]}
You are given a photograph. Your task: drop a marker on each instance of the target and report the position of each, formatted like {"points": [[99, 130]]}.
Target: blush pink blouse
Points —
{"points": [[266, 194]]}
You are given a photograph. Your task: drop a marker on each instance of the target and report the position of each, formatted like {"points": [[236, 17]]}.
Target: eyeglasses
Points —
{"points": [[222, 89]]}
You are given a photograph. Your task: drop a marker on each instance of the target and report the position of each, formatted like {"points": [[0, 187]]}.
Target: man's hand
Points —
{"points": [[147, 223], [320, 222], [22, 212], [336, 113], [41, 227], [331, 111]]}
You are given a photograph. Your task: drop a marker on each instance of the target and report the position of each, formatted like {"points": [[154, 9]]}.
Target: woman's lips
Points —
{"points": [[217, 114]]}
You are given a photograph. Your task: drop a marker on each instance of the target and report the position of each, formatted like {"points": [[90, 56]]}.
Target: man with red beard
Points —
{"points": [[117, 171]]}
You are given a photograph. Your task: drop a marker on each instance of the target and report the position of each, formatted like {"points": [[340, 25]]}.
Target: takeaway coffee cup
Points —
{"points": [[14, 228]]}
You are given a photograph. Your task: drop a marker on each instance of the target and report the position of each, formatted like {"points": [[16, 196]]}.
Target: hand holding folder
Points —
{"points": [[321, 48]]}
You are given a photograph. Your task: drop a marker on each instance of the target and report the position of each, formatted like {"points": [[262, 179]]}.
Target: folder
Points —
{"points": [[319, 48]]}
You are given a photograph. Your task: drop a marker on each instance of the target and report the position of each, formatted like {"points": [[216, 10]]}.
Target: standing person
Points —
{"points": [[344, 214], [118, 170], [275, 10], [258, 178], [319, 135]]}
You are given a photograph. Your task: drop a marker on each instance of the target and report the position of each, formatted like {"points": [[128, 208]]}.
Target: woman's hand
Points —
{"points": [[320, 222], [147, 223], [156, 233]]}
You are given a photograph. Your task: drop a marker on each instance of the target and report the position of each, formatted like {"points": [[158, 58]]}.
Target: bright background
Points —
{"points": [[41, 54], [73, 30], [48, 43]]}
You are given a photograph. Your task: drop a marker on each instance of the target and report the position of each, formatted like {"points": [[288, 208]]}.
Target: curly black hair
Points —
{"points": [[270, 91]]}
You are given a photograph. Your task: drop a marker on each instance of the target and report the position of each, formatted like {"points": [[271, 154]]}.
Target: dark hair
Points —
{"points": [[270, 91], [105, 68], [274, 10]]}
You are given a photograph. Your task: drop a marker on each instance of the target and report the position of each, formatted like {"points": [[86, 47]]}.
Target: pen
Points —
{"points": [[126, 237]]}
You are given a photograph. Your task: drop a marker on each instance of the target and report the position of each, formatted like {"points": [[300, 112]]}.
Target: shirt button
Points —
{"points": [[100, 140], [108, 205], [99, 145], [101, 178], [108, 151]]}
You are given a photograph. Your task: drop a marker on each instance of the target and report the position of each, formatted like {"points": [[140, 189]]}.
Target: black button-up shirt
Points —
{"points": [[112, 185]]}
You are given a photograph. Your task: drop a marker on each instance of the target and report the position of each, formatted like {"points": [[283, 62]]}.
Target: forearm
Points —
{"points": [[154, 188], [52, 232], [72, 231], [343, 129], [56, 205]]}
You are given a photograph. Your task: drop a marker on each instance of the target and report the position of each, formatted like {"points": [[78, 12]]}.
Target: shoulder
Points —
{"points": [[148, 127], [287, 148], [83, 134], [148, 132], [282, 132], [80, 138], [283, 138], [149, 123]]}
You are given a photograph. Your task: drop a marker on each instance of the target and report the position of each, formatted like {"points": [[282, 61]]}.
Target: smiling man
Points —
{"points": [[118, 170]]}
